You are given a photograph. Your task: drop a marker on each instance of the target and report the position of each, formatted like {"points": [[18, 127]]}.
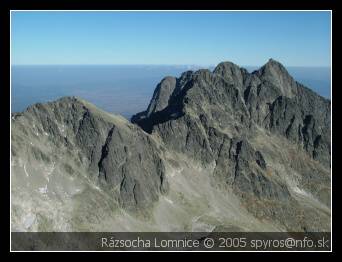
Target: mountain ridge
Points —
{"points": [[239, 132], [279, 94]]}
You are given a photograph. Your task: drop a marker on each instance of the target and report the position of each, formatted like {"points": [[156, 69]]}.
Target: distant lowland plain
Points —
{"points": [[120, 89]]}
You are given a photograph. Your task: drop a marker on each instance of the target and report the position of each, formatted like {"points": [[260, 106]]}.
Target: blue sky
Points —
{"points": [[203, 38]]}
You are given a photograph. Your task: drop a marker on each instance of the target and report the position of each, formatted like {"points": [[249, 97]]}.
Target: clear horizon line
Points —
{"points": [[198, 65]]}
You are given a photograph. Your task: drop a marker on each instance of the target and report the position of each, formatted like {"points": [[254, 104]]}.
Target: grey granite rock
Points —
{"points": [[114, 152], [234, 99], [215, 115]]}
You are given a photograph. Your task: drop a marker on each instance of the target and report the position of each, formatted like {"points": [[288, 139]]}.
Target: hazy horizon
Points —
{"points": [[209, 65], [120, 89], [116, 59]]}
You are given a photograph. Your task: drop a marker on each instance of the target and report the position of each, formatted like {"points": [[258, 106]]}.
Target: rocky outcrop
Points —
{"points": [[115, 153]]}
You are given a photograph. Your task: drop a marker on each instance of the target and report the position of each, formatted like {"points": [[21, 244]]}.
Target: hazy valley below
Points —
{"points": [[120, 89]]}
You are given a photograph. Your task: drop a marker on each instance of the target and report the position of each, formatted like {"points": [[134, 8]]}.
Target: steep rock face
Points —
{"points": [[116, 154], [214, 116], [278, 103], [231, 98], [162, 97]]}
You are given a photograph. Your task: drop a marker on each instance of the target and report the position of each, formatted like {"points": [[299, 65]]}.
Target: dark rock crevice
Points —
{"points": [[104, 154]]}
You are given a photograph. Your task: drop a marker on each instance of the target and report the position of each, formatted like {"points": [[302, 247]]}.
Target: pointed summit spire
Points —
{"points": [[276, 74], [271, 63]]}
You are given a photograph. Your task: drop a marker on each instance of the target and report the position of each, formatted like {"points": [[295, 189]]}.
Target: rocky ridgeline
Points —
{"points": [[239, 101], [213, 116], [264, 136], [110, 149]]}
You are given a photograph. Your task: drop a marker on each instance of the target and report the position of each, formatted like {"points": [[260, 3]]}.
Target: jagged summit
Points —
{"points": [[213, 117], [274, 73], [273, 63], [226, 67], [274, 68], [271, 80], [231, 72], [162, 94], [230, 67], [269, 98]]}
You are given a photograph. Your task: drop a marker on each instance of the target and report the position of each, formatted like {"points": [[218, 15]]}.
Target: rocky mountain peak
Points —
{"points": [[275, 74], [162, 94], [269, 98], [226, 66], [230, 72], [273, 62], [274, 68]]}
